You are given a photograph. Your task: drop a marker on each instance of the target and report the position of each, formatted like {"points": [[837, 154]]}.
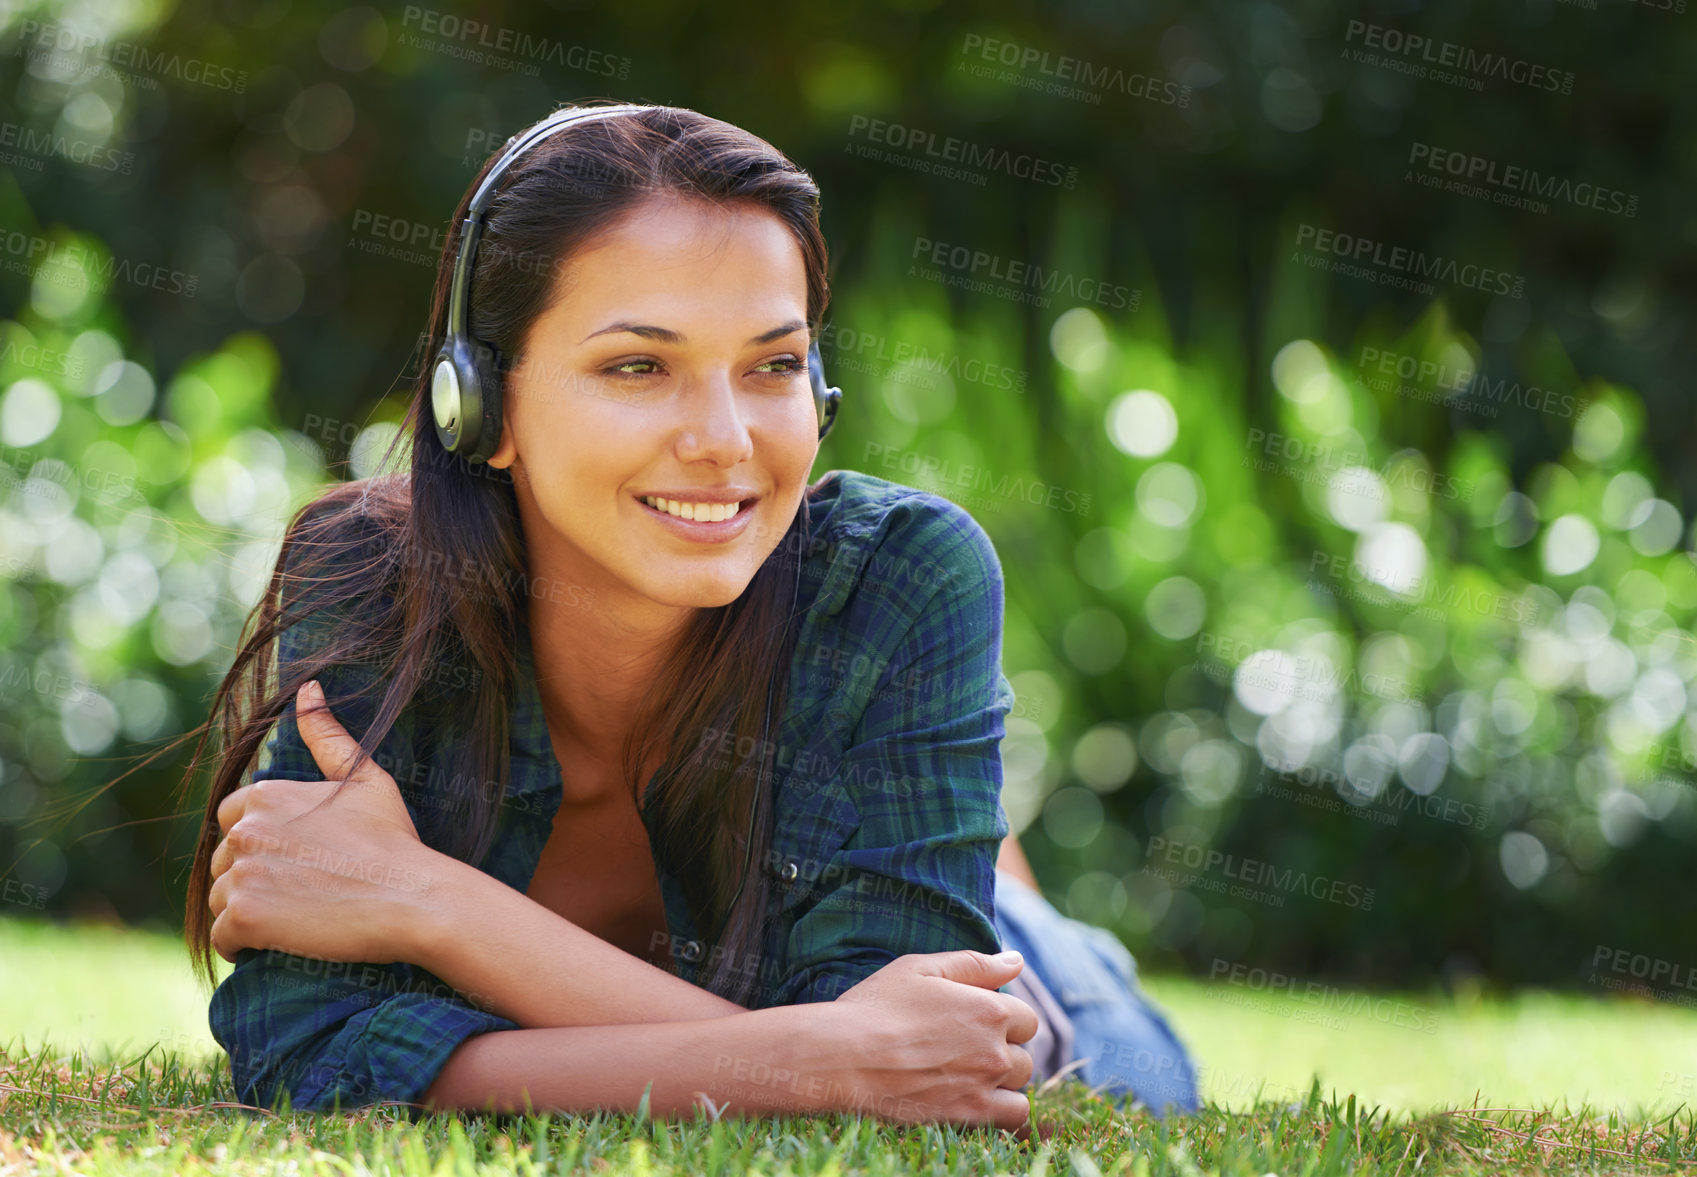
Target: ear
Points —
{"points": [[505, 450]]}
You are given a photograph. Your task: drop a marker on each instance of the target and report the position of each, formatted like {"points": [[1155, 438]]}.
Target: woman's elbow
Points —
{"points": [[277, 1083]]}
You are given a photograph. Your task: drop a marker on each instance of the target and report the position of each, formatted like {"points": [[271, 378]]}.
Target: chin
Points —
{"points": [[701, 592]]}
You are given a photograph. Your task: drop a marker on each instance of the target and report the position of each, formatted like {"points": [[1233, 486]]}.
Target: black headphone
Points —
{"points": [[465, 392]]}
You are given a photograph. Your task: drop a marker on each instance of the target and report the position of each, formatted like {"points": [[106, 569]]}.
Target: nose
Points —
{"points": [[713, 428]]}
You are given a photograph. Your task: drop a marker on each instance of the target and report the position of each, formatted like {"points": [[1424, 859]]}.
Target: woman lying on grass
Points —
{"points": [[608, 754]]}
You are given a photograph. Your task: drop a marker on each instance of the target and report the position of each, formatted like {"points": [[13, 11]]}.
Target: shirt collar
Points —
{"points": [[530, 742], [843, 556], [846, 519]]}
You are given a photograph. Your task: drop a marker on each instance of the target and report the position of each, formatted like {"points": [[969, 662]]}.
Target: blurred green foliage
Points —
{"points": [[1351, 623]]}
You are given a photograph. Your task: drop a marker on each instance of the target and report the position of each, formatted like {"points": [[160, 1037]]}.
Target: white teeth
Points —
{"points": [[695, 512]]}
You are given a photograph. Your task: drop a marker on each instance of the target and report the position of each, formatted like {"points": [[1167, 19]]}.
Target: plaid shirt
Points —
{"points": [[887, 818]]}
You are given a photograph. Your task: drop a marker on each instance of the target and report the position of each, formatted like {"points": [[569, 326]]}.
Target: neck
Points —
{"points": [[593, 666], [596, 646], [592, 686]]}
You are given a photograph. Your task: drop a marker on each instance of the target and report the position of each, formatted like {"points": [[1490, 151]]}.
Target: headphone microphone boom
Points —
{"points": [[465, 390]]}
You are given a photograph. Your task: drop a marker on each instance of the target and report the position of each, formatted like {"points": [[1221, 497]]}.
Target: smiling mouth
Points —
{"points": [[695, 512]]}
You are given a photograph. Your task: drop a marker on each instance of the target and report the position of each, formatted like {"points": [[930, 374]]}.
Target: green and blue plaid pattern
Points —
{"points": [[887, 823]]}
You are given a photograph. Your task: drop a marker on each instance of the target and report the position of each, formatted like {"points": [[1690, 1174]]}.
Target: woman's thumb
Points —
{"points": [[971, 967]]}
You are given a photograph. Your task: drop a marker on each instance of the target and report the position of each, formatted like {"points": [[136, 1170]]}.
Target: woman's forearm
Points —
{"points": [[783, 1060], [518, 959]]}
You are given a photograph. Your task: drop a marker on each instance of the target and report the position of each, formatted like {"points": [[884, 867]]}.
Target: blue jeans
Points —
{"points": [[1128, 1047]]}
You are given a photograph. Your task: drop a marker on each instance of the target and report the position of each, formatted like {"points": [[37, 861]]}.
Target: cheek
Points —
{"points": [[570, 484], [551, 399], [575, 444], [572, 491], [797, 435]]}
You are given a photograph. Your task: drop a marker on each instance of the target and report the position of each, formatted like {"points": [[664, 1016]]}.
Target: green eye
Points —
{"points": [[791, 367], [619, 369]]}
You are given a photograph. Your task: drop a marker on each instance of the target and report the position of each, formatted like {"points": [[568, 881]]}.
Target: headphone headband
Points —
{"points": [[472, 228], [465, 389], [518, 144]]}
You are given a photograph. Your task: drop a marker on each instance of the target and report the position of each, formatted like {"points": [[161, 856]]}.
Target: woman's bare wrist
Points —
{"points": [[492, 943], [429, 925], [784, 1060]]}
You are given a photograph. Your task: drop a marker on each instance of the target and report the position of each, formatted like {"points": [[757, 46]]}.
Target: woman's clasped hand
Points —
{"points": [[939, 1043], [331, 869]]}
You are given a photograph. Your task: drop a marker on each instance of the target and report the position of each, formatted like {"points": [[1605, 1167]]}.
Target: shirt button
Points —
{"points": [[692, 951], [790, 871]]}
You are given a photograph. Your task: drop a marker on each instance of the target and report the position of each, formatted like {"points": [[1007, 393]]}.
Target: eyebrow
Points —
{"points": [[667, 335]]}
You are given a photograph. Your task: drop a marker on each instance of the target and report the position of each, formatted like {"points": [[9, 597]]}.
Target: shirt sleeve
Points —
{"points": [[923, 774], [332, 1034]]}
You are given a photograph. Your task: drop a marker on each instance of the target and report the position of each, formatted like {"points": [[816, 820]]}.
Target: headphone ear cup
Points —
{"points": [[487, 364], [465, 397], [829, 412], [448, 396], [825, 399]]}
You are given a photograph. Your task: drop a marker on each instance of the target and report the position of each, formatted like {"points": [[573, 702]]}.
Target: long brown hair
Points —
{"points": [[374, 553]]}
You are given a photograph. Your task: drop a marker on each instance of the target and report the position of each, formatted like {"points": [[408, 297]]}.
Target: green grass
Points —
{"points": [[1591, 1085], [1631, 1056]]}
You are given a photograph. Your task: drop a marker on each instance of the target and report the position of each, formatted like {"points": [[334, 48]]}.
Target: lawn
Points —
{"points": [[1346, 1083]]}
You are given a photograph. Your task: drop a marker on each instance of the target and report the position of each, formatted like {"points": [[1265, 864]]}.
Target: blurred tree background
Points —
{"points": [[1319, 370]]}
